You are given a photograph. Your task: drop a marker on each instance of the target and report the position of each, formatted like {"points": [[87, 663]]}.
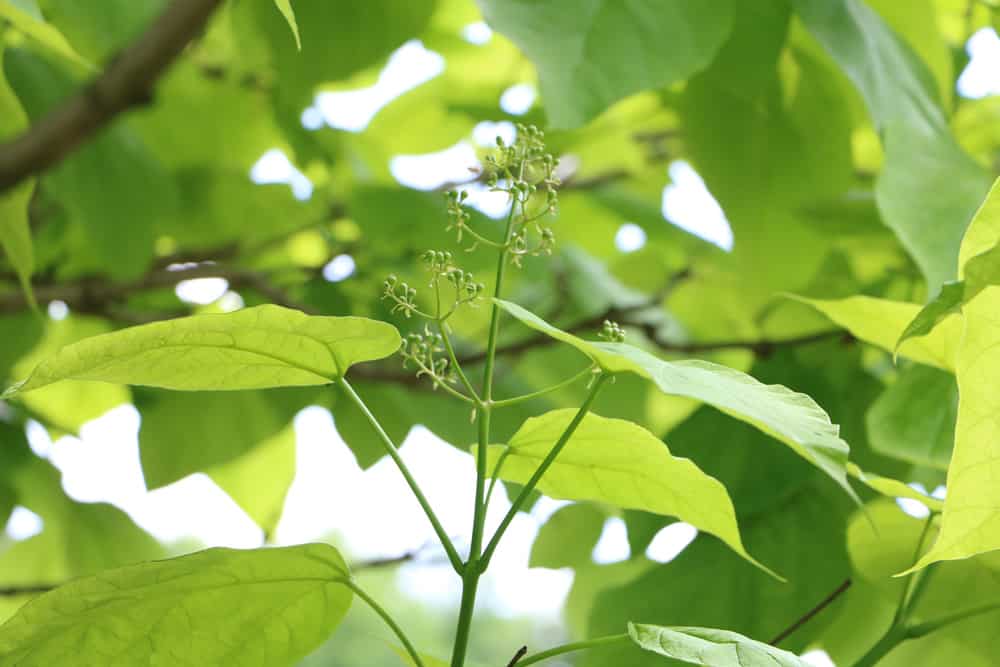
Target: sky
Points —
{"points": [[372, 513]]}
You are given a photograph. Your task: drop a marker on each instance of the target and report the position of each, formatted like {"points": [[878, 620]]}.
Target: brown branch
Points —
{"points": [[99, 296], [127, 82], [823, 604]]}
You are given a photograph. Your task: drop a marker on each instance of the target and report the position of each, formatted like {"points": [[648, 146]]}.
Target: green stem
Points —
{"points": [[454, 363], [495, 475], [891, 640], [387, 619], [393, 452], [543, 467], [904, 602], [542, 392], [569, 648], [921, 629], [472, 570]]}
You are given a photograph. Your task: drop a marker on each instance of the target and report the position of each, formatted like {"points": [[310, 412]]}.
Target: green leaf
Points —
{"points": [[113, 190], [711, 647], [920, 152], [285, 7], [32, 25], [15, 232], [970, 523], [183, 433], [259, 480], [880, 322], [568, 537], [914, 419], [893, 488], [214, 607], [979, 271], [583, 63], [253, 348], [791, 417], [618, 462]]}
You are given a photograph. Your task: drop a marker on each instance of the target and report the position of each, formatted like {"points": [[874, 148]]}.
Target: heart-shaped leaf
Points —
{"points": [[255, 348]]}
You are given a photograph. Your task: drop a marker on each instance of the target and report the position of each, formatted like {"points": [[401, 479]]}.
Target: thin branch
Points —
{"points": [[127, 82], [98, 295], [805, 618]]}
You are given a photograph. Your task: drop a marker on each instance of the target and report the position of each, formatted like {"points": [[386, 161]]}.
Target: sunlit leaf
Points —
{"points": [[711, 647], [219, 606], [880, 322], [254, 348], [584, 65], [793, 418], [618, 462], [980, 272]]}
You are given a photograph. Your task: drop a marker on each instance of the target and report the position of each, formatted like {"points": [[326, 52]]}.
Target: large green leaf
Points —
{"points": [[254, 348], [568, 537], [914, 419], [260, 479], [583, 63], [880, 322], [970, 523], [920, 152], [711, 647], [618, 462], [214, 607], [183, 433], [980, 272], [791, 417]]}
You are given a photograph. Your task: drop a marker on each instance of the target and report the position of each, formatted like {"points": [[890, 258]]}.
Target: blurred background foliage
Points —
{"points": [[714, 156]]}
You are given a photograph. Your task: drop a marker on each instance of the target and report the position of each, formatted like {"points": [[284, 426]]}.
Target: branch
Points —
{"points": [[127, 82], [99, 296], [823, 604]]}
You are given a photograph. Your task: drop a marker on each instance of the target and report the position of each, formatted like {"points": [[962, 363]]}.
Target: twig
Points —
{"points": [[824, 603], [98, 296], [127, 82], [521, 652]]}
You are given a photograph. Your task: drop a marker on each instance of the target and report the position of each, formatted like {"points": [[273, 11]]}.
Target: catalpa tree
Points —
{"points": [[785, 372]]}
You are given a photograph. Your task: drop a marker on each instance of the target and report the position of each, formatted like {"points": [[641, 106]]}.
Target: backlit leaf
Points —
{"points": [[791, 417], [254, 348], [618, 462], [43, 33], [285, 7], [214, 607]]}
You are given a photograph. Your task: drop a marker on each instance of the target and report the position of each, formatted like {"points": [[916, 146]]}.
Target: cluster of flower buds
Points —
{"points": [[523, 168], [402, 296], [458, 215], [520, 247], [424, 350], [440, 264], [611, 332]]}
